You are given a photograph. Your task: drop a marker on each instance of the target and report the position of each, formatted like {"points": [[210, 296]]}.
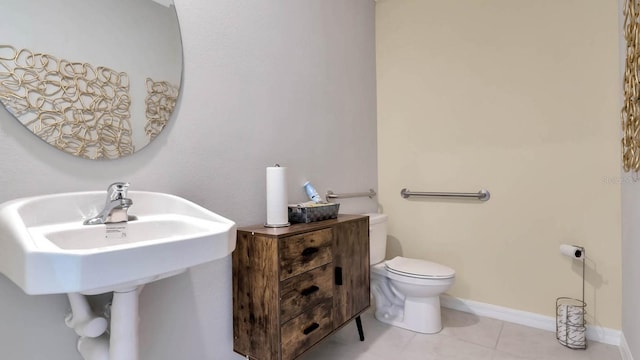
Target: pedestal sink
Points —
{"points": [[46, 249]]}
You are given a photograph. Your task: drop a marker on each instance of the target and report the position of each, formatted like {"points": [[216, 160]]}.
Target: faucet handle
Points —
{"points": [[117, 190]]}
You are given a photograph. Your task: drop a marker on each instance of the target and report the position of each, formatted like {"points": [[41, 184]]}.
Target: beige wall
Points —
{"points": [[521, 98]]}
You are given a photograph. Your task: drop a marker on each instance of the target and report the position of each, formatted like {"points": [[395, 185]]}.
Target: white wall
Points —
{"points": [[289, 82], [519, 97]]}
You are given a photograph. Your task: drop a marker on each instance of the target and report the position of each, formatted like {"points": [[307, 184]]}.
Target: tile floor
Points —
{"points": [[464, 337]]}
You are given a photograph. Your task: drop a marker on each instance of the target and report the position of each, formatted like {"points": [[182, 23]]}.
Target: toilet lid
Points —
{"points": [[419, 268]]}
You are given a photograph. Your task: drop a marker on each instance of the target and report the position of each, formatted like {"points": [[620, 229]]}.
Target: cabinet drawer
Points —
{"points": [[305, 291], [299, 333], [303, 252]]}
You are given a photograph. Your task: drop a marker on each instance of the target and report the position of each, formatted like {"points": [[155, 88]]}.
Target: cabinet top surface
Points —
{"points": [[302, 227]]}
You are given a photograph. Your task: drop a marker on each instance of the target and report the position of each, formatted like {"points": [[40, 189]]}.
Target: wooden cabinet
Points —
{"points": [[293, 286]]}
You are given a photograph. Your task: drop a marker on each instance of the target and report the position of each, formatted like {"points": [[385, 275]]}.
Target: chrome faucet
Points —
{"points": [[116, 207]]}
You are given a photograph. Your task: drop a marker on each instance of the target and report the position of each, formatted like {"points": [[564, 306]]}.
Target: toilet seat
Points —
{"points": [[420, 269]]}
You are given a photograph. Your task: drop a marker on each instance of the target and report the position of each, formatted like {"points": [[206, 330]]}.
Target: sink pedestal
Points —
{"points": [[124, 325], [122, 341]]}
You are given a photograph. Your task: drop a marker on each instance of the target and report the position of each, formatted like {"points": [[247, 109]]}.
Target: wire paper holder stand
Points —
{"points": [[571, 327]]}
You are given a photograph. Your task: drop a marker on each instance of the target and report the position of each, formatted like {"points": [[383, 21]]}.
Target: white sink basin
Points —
{"points": [[46, 249]]}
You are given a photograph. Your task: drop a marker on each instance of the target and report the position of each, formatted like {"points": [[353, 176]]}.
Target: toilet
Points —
{"points": [[406, 291]]}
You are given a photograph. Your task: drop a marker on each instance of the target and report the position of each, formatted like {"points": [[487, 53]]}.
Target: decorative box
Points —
{"points": [[312, 212]]}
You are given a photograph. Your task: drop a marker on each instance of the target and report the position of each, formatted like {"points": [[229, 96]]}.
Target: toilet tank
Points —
{"points": [[377, 237]]}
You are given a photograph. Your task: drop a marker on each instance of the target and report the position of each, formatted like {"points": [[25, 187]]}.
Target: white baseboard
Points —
{"points": [[594, 333], [625, 352]]}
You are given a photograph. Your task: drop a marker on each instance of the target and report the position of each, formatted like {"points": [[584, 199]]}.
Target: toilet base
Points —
{"points": [[420, 315]]}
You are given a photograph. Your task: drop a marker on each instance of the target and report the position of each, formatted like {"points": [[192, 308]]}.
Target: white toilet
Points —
{"points": [[406, 291]]}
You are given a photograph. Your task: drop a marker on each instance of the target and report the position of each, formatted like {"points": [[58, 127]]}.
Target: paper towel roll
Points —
{"points": [[277, 211], [571, 251]]}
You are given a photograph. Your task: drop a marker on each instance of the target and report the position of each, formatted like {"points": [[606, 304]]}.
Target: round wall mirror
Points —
{"points": [[95, 79]]}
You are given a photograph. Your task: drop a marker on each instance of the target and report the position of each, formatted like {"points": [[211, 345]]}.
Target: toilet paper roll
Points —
{"points": [[561, 323], [277, 210], [571, 251], [575, 315], [577, 337]]}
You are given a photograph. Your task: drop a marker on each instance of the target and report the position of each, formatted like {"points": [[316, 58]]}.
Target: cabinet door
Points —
{"points": [[351, 260]]}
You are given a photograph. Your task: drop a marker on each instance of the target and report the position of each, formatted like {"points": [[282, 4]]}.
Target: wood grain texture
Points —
{"points": [[308, 328], [300, 228], [305, 291], [351, 256], [303, 252], [256, 324]]}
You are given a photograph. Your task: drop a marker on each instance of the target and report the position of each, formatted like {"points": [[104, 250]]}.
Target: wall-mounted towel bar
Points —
{"points": [[331, 195], [482, 195]]}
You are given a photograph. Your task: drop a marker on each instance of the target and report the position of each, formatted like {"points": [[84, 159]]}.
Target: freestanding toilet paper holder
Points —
{"points": [[571, 327]]}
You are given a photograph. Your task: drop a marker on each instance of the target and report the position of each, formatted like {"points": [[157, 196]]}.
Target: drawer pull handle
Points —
{"points": [[310, 290], [310, 328], [309, 251], [338, 275]]}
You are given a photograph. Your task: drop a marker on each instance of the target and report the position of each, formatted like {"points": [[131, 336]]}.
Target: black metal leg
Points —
{"points": [[359, 325]]}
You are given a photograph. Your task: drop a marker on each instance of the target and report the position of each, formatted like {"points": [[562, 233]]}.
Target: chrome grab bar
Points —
{"points": [[331, 195], [482, 195]]}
